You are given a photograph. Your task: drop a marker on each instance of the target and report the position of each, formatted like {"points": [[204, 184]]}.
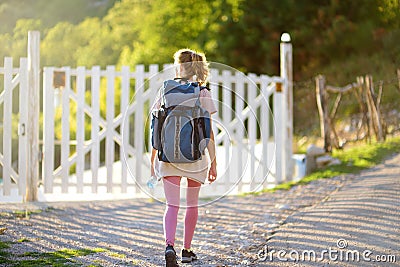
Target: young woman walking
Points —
{"points": [[191, 66]]}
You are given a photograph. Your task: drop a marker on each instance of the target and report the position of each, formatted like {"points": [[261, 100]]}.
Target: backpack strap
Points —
{"points": [[197, 91], [163, 100]]}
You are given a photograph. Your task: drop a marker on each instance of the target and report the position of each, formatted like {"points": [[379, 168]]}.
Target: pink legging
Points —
{"points": [[172, 194]]}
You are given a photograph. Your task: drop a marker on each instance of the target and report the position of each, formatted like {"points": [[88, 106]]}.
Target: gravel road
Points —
{"points": [[362, 209]]}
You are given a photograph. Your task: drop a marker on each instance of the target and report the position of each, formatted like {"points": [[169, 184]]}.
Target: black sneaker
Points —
{"points": [[170, 257], [188, 256]]}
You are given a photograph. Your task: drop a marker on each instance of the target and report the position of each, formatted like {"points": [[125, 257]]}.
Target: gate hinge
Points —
{"points": [[21, 129]]}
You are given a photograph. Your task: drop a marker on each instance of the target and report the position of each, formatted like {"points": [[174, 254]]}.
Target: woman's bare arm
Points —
{"points": [[153, 156], [212, 174]]}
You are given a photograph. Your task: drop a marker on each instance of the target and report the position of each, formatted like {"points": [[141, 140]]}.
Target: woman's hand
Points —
{"points": [[212, 173]]}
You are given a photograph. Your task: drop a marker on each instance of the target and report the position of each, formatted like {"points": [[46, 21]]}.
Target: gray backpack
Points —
{"points": [[181, 127]]}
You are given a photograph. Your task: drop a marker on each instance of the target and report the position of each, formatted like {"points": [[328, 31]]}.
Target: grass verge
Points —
{"points": [[57, 258], [354, 160]]}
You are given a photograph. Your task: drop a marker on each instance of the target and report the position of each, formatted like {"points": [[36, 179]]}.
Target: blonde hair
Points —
{"points": [[193, 63]]}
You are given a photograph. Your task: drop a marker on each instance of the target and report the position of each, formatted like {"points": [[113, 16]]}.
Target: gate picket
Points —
{"points": [[65, 135], [23, 118], [95, 129], [110, 126], [48, 129], [7, 120], [80, 127]]}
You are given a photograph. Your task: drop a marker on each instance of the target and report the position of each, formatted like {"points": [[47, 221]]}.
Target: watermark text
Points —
{"points": [[338, 253]]}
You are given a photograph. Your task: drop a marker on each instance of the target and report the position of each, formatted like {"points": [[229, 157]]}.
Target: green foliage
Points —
{"points": [[340, 39], [390, 12], [56, 258], [243, 34], [162, 28], [85, 44], [117, 255], [4, 245], [366, 156], [4, 254], [22, 240], [25, 213], [63, 257], [50, 12]]}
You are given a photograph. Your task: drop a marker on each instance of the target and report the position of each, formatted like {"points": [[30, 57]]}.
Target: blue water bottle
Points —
{"points": [[152, 182]]}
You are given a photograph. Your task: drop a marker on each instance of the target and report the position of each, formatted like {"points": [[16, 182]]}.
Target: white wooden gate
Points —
{"points": [[13, 142], [81, 104]]}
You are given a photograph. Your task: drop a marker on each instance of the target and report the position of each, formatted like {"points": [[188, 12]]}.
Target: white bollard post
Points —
{"points": [[287, 74]]}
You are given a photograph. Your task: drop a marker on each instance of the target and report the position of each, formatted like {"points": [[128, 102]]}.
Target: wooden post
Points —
{"points": [[32, 127], [374, 113], [398, 78], [332, 117], [322, 103], [287, 74], [370, 119], [359, 95], [378, 108]]}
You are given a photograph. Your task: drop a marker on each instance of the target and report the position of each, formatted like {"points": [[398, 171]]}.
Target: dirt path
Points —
{"points": [[362, 209]]}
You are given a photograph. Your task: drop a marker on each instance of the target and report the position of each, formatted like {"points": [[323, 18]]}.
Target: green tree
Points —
{"points": [[163, 27], [98, 47], [50, 12], [59, 45]]}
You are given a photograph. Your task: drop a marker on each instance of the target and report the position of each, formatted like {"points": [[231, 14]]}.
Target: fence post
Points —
{"points": [[7, 123], [374, 112], [287, 74], [32, 127], [361, 102], [371, 124], [322, 103], [398, 78]]}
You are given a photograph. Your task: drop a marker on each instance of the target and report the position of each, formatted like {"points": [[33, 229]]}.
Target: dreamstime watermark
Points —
{"points": [[338, 253]]}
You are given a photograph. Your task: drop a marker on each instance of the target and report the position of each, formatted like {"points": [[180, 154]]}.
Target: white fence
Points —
{"points": [[96, 129]]}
